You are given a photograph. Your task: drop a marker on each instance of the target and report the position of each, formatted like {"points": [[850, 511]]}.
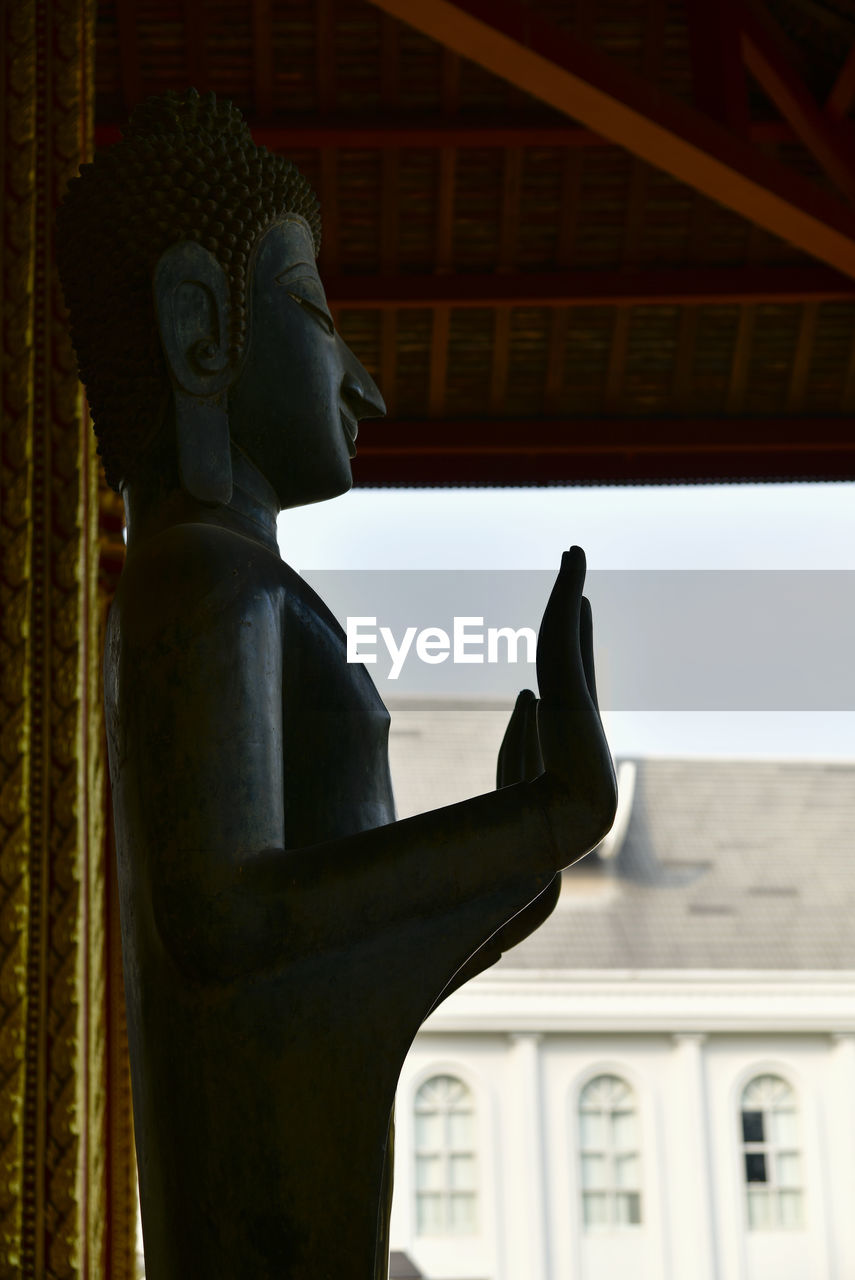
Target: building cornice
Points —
{"points": [[651, 1001]]}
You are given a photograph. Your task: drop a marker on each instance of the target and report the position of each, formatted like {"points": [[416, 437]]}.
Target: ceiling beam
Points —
{"points": [[604, 450], [514, 437], [379, 136], [771, 60], [666, 286], [571, 75]]}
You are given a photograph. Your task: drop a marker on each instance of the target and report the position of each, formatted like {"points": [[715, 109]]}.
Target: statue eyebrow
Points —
{"points": [[296, 267]]}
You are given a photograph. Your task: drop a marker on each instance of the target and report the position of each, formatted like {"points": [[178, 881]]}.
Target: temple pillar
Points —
{"points": [[66, 1182], [529, 1138], [693, 1201]]}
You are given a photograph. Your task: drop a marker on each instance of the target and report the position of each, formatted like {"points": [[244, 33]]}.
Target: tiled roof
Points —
{"points": [[401, 1268], [725, 864]]}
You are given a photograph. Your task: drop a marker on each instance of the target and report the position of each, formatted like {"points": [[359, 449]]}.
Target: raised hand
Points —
{"points": [[578, 788], [519, 761]]}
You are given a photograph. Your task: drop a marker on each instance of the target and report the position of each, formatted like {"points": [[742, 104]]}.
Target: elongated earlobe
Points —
{"points": [[204, 448], [191, 299]]}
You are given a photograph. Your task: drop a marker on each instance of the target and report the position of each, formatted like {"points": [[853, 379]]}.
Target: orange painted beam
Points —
{"points": [[570, 75], [686, 435], [666, 286]]}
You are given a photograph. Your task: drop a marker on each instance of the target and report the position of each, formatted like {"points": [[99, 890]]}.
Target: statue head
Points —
{"points": [[187, 257]]}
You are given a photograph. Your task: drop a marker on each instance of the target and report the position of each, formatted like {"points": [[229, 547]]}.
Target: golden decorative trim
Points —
{"points": [[16, 479], [66, 1172]]}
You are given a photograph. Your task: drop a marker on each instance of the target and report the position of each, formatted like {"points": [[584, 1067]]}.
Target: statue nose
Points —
{"points": [[359, 391]]}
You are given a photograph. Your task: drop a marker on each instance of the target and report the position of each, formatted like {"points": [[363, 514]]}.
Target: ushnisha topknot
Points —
{"points": [[186, 168]]}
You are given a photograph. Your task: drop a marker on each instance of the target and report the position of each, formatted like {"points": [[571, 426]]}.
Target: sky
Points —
{"points": [[694, 527]]}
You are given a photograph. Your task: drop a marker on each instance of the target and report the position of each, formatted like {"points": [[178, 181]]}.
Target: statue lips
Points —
{"points": [[351, 430]]}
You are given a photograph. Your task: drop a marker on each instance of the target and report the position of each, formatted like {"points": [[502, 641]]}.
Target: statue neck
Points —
{"points": [[254, 505], [151, 506]]}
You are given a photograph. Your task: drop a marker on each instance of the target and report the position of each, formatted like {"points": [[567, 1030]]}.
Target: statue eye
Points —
{"points": [[320, 313], [307, 291]]}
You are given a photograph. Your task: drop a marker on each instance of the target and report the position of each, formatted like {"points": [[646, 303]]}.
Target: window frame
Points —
{"points": [[772, 1188], [627, 1101], [446, 1194]]}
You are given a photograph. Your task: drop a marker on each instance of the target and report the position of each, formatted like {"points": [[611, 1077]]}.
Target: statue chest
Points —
{"points": [[335, 729]]}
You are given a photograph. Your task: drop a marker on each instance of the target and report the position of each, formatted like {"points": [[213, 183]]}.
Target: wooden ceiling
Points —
{"points": [[575, 242]]}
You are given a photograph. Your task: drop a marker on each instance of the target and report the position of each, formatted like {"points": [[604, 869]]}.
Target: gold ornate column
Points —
{"points": [[59, 1192]]}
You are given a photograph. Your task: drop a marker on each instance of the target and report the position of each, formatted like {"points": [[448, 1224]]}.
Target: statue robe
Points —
{"points": [[280, 953]]}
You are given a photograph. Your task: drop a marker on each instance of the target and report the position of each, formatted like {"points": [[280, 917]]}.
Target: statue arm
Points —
{"points": [[452, 876], [484, 871], [229, 895], [520, 760]]}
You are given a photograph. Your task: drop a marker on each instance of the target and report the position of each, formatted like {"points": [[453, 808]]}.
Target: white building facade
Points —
{"points": [[659, 1083], [610, 1118]]}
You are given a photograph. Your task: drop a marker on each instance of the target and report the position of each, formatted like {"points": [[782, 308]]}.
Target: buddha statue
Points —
{"points": [[283, 935]]}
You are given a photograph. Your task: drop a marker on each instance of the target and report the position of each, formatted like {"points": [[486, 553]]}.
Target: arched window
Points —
{"points": [[610, 1155], [772, 1161], [446, 1186]]}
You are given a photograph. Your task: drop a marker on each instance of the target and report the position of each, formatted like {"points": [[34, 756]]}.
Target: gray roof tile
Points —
{"points": [[726, 864]]}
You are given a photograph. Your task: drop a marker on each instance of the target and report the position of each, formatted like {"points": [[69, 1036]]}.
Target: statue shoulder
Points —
{"points": [[188, 575]]}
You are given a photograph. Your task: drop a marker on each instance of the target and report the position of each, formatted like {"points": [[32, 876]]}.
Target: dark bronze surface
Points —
{"points": [[284, 937]]}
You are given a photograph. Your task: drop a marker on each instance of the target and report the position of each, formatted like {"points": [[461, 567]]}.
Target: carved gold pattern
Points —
{"points": [[66, 1187]]}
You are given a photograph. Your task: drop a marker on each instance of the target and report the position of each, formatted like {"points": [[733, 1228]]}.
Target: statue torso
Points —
{"points": [[336, 725], [291, 742]]}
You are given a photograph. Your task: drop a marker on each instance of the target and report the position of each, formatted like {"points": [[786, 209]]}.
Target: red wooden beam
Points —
{"points": [[377, 136], [772, 62], [667, 286], [604, 450], [513, 42], [494, 437]]}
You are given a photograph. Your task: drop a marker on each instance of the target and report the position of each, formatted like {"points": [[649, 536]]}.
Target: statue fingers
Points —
{"points": [[560, 672], [586, 645], [532, 763], [514, 750]]}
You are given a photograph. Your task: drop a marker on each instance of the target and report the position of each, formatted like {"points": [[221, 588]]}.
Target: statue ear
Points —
{"points": [[191, 302]]}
